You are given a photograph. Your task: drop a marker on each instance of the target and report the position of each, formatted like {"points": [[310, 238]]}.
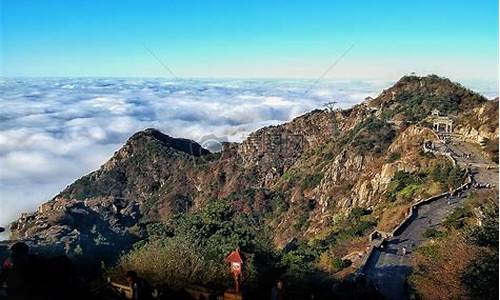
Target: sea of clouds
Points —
{"points": [[53, 131]]}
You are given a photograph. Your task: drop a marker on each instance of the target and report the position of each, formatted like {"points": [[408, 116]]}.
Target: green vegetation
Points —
{"points": [[278, 204], [429, 251], [448, 175], [375, 136], [434, 234], [491, 148], [405, 186], [481, 276], [482, 271], [339, 264], [415, 103], [487, 234], [458, 218], [372, 135], [175, 252], [306, 256], [307, 181], [311, 181], [393, 156], [462, 259], [291, 175]]}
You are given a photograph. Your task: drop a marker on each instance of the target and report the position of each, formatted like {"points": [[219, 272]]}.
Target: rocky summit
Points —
{"points": [[299, 178]]}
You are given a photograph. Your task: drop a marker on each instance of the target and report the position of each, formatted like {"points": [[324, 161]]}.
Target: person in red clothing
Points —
{"points": [[16, 273]]}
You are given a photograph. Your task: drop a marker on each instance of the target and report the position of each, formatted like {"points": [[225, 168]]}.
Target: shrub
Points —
{"points": [[433, 233], [491, 148], [311, 181], [430, 251], [481, 277], [447, 174], [301, 221], [458, 218], [338, 264], [486, 235], [291, 175], [399, 182], [176, 262], [192, 247], [358, 212], [393, 156], [376, 136]]}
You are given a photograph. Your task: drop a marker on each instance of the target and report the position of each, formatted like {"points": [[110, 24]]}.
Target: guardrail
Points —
{"points": [[404, 222], [443, 153]]}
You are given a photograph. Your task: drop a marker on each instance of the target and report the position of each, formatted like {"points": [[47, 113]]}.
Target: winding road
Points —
{"points": [[387, 267]]}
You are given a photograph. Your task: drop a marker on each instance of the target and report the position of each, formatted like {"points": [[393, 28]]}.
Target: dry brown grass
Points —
{"points": [[345, 247], [438, 270], [392, 216], [341, 249]]}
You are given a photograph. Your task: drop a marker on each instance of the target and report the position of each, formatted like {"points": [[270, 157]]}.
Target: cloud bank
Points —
{"points": [[53, 131]]}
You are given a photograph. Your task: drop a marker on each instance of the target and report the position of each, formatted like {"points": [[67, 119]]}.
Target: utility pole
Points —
{"points": [[330, 107]]}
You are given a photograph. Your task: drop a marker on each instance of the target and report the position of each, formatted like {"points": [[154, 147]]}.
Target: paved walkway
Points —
{"points": [[484, 170], [388, 268]]}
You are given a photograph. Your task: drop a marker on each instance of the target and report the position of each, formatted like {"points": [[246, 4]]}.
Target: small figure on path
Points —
{"points": [[141, 289], [404, 250], [277, 292]]}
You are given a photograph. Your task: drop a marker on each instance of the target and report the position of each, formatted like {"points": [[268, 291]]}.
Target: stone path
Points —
{"points": [[388, 268]]}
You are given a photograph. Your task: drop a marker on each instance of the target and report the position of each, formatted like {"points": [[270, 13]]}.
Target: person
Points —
{"points": [[16, 273], [277, 291], [140, 287], [404, 250]]}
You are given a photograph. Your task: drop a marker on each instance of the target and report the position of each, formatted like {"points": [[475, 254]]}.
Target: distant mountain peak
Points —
{"points": [[184, 145], [416, 96]]}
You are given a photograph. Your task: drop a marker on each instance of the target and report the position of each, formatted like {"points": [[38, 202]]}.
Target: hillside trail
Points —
{"points": [[389, 266], [483, 169]]}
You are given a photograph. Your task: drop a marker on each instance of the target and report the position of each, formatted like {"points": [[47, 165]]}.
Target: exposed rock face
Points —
{"points": [[479, 123], [98, 212], [303, 166], [76, 227]]}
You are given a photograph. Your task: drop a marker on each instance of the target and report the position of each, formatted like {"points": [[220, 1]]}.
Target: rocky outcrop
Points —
{"points": [[318, 166], [480, 123], [97, 226]]}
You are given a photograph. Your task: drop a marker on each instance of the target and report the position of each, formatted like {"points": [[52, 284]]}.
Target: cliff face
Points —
{"points": [[299, 176], [479, 123]]}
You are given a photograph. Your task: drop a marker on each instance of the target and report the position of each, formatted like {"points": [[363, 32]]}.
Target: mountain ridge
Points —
{"points": [[299, 177]]}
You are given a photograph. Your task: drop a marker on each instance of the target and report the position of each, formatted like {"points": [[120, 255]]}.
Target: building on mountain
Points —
{"points": [[441, 122]]}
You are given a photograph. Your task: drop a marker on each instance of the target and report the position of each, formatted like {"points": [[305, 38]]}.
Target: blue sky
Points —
{"points": [[260, 38]]}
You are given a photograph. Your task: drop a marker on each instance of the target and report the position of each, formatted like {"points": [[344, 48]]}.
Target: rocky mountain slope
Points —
{"points": [[300, 177]]}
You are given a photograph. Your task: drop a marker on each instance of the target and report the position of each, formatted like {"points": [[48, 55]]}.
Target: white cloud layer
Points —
{"points": [[53, 131]]}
